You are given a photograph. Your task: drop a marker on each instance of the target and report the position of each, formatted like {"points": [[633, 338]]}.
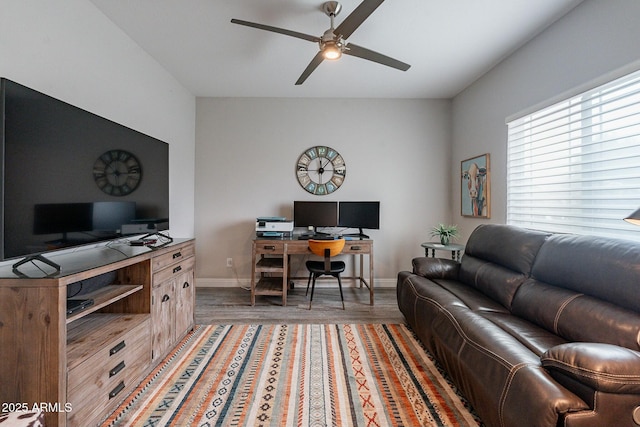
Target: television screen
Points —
{"points": [[315, 214], [359, 215], [57, 157]]}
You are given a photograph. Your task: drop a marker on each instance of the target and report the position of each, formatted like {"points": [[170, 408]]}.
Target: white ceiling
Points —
{"points": [[449, 44]]}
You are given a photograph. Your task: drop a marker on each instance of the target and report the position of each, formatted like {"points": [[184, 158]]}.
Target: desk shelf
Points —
{"points": [[269, 286], [270, 265]]}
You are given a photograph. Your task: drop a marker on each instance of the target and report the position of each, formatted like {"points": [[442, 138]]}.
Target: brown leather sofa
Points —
{"points": [[535, 329]]}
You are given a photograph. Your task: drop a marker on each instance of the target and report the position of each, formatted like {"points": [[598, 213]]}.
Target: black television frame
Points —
{"points": [[88, 137]]}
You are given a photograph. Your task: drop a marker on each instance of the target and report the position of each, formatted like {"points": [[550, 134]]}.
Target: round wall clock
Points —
{"points": [[117, 172], [321, 170]]}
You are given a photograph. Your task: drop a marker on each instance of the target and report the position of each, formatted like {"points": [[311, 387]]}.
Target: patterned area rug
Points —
{"points": [[296, 375]]}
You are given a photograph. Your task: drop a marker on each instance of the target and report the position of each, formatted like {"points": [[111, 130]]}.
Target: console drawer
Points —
{"points": [[173, 257], [172, 271], [99, 383]]}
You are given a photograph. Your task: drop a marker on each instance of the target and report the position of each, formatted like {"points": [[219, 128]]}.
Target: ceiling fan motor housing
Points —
{"points": [[331, 8]]}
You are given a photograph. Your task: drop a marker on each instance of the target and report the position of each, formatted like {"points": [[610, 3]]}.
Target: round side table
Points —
{"points": [[436, 246]]}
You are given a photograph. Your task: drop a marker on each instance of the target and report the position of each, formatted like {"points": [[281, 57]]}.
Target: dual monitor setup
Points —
{"points": [[349, 214]]}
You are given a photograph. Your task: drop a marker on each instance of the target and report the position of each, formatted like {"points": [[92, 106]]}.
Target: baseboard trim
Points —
{"points": [[207, 282]]}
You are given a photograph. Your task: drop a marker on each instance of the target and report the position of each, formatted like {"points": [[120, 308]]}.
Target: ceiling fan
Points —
{"points": [[333, 42]]}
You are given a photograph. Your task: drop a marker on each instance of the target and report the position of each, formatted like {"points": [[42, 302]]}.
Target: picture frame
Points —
{"points": [[475, 187]]}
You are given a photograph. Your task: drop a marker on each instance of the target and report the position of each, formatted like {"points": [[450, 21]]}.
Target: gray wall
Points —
{"points": [[396, 151], [595, 41]]}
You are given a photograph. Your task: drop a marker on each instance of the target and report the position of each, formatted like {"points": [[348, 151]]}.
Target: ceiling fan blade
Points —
{"points": [[357, 17], [277, 30], [361, 52], [312, 66]]}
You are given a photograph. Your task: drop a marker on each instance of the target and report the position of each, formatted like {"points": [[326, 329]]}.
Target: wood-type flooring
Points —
{"points": [[232, 305]]}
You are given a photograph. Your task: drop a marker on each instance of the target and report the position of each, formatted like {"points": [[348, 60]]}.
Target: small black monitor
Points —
{"points": [[359, 215], [315, 214]]}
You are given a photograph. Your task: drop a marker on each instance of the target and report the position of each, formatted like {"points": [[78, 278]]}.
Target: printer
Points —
{"points": [[273, 226]]}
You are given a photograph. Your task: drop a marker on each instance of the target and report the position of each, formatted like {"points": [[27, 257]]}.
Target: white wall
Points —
{"points": [[396, 151], [595, 39], [71, 51]]}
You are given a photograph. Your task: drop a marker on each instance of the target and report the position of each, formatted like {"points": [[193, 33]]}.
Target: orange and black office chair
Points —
{"points": [[326, 249]]}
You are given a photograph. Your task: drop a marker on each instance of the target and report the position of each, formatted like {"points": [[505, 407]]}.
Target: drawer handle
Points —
{"points": [[117, 348], [177, 255], [185, 285], [176, 269], [270, 248], [165, 298], [119, 367], [116, 390], [355, 248]]}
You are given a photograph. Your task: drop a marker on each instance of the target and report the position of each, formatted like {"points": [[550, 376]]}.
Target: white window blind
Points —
{"points": [[574, 167]]}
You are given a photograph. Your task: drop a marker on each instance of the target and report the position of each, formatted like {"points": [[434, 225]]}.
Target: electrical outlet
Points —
{"points": [[229, 262]]}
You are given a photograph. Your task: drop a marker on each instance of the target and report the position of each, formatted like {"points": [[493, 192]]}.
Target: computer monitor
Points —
{"points": [[359, 215], [315, 214]]}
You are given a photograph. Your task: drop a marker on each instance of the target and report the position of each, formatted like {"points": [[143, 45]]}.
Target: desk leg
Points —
{"points": [[371, 276], [361, 278], [285, 277], [253, 275]]}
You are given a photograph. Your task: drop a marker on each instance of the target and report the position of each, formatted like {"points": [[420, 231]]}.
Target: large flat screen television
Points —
{"points": [[359, 215], [70, 177]]}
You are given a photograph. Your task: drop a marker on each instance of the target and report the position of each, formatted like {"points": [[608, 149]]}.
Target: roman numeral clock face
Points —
{"points": [[321, 170], [117, 172]]}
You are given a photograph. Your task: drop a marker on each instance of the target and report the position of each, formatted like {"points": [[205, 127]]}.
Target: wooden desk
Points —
{"points": [[272, 256]]}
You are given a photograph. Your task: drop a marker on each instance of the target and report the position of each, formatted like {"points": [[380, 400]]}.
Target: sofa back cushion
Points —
{"points": [[498, 258], [511, 247], [575, 316], [603, 268]]}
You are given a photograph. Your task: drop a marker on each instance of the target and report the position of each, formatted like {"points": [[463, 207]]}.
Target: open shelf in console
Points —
{"points": [[103, 297]]}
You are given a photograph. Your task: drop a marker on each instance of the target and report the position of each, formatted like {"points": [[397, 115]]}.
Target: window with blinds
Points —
{"points": [[574, 167]]}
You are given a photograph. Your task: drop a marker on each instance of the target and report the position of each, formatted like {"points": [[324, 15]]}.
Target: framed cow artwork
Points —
{"points": [[475, 187]]}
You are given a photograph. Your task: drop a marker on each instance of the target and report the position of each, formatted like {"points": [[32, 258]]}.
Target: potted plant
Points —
{"points": [[445, 233]]}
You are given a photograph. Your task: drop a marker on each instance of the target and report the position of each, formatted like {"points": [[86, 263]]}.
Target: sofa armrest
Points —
{"points": [[603, 367], [436, 268]]}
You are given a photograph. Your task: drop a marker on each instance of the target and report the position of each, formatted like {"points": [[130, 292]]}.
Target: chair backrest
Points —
{"points": [[318, 246]]}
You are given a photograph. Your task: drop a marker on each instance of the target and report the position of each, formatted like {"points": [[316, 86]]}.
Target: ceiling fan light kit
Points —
{"points": [[331, 50], [332, 43]]}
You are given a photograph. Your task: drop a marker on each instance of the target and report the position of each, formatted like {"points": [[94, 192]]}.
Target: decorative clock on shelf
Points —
{"points": [[117, 172], [321, 170]]}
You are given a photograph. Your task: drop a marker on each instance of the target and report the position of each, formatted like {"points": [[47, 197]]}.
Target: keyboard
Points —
{"points": [[318, 237]]}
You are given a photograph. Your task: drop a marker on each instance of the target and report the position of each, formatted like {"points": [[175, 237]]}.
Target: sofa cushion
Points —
{"points": [[498, 259], [495, 281], [576, 317], [470, 297], [511, 247], [535, 338], [576, 263]]}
